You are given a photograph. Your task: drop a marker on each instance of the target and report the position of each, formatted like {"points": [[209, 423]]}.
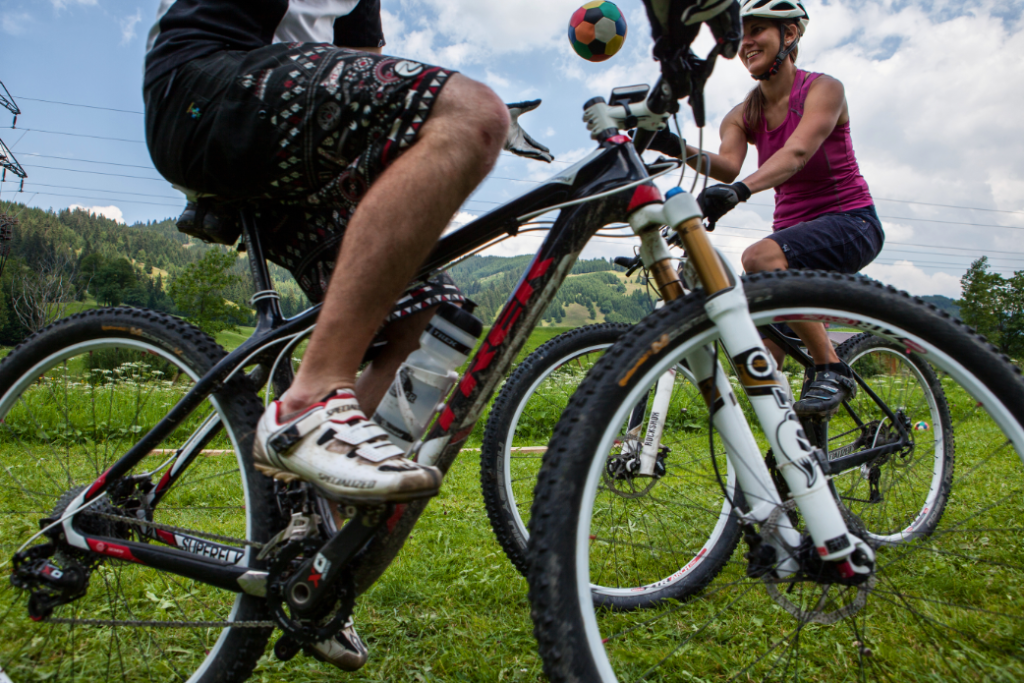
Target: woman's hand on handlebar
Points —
{"points": [[718, 200]]}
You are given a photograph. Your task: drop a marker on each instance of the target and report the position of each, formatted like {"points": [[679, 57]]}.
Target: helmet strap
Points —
{"points": [[784, 51]]}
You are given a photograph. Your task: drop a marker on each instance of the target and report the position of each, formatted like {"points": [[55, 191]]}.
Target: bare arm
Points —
{"points": [[826, 103], [725, 165]]}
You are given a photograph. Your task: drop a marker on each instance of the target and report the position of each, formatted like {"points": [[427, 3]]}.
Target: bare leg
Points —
{"points": [[393, 230], [767, 255]]}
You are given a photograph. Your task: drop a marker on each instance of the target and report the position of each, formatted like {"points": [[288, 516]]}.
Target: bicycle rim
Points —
{"points": [[944, 605], [64, 422], [532, 424]]}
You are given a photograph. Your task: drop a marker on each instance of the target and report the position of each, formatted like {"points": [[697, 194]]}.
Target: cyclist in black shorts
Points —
{"points": [[253, 99]]}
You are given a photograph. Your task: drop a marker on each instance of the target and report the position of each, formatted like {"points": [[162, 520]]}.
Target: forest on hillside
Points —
{"points": [[93, 261], [595, 284], [103, 262], [96, 261]]}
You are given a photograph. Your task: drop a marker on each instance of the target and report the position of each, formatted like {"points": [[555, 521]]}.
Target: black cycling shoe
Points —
{"points": [[823, 395]]}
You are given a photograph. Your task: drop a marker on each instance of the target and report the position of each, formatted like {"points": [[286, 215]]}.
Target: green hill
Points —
{"points": [[595, 291]]}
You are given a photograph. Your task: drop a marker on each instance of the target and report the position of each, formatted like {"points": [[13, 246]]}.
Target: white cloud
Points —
{"points": [[128, 25], [460, 219], [111, 212], [61, 4], [495, 81], [14, 22], [905, 275]]}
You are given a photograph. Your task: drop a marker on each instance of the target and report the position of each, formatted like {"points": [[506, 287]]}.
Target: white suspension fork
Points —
{"points": [[726, 305]]}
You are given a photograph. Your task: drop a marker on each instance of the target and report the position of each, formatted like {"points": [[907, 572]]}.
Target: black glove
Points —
{"points": [[667, 142], [718, 200]]}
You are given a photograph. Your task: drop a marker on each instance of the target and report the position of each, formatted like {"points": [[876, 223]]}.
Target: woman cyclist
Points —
{"points": [[824, 214]]}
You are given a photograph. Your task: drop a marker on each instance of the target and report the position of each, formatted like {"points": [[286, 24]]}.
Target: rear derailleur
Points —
{"points": [[54, 572], [51, 583]]}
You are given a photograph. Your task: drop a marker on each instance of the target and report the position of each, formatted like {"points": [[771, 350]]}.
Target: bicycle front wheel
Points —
{"points": [[73, 398], [938, 606]]}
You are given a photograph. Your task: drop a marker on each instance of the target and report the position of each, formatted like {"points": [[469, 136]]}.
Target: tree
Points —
{"points": [[112, 280], [41, 295], [980, 303], [994, 306], [198, 292], [1013, 304]]}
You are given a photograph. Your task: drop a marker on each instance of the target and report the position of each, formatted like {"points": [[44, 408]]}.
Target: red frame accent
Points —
{"points": [[644, 195], [112, 550]]}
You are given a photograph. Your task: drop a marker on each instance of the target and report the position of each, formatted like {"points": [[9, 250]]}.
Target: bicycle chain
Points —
{"points": [[165, 624], [172, 529]]}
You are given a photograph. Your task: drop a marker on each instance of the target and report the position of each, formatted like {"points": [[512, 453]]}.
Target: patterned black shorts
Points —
{"points": [[304, 129]]}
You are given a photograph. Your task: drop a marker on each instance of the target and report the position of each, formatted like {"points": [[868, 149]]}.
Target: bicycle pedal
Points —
{"points": [[285, 648]]}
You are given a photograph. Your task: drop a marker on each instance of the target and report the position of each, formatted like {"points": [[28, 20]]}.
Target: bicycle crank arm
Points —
{"points": [[306, 591]]}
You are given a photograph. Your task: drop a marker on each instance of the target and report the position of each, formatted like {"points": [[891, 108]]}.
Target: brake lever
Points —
{"points": [[630, 264]]}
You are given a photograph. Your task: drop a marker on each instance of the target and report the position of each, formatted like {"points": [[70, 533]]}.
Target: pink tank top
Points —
{"points": [[830, 182]]}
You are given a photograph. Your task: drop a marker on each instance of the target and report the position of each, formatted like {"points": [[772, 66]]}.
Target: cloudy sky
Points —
{"points": [[934, 88]]}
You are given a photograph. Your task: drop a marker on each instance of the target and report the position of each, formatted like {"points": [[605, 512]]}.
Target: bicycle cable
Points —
{"points": [[672, 163]]}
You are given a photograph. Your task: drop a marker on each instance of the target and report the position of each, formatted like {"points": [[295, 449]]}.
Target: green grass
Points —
{"points": [[452, 608]]}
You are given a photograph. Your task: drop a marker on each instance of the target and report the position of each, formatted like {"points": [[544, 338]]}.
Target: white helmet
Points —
{"points": [[776, 9]]}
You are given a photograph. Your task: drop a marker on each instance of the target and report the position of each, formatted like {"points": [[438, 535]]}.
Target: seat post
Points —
{"points": [[266, 299]]}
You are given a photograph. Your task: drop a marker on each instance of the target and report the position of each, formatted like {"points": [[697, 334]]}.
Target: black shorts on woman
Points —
{"points": [[303, 129], [843, 242]]}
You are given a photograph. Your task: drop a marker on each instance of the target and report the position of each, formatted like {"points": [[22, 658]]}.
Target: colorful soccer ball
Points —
{"points": [[921, 426], [597, 30]]}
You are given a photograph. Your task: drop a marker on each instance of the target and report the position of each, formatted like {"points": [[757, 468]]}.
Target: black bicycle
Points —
{"points": [[142, 544]]}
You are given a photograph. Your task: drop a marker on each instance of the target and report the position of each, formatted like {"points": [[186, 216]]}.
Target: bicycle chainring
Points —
{"points": [[314, 628]]}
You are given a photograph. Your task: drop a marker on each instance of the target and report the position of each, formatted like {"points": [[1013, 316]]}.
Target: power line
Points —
{"points": [[108, 199], [77, 135], [948, 206], [98, 189], [84, 106], [88, 161], [115, 175]]}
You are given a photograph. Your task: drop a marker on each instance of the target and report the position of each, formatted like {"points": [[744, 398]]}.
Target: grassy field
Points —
{"points": [[452, 608]]}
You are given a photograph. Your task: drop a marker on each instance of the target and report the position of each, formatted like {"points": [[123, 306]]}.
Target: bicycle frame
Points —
{"points": [[609, 173]]}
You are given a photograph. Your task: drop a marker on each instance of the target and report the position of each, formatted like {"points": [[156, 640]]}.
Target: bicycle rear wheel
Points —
{"points": [[522, 423], [902, 496], [73, 398], [941, 606]]}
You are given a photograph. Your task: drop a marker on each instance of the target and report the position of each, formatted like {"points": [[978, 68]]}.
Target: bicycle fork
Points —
{"points": [[798, 461]]}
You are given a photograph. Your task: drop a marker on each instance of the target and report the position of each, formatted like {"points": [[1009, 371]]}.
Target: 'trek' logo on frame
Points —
{"points": [[498, 334]]}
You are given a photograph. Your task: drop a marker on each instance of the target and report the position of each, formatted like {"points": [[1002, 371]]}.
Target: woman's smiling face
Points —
{"points": [[760, 43]]}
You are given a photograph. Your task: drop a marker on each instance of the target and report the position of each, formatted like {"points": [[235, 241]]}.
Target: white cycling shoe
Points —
{"points": [[332, 445], [345, 650]]}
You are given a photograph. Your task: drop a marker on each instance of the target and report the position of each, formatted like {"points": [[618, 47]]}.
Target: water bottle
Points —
{"points": [[427, 375]]}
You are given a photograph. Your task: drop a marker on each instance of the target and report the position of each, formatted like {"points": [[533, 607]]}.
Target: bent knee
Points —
{"points": [[469, 108], [763, 255]]}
